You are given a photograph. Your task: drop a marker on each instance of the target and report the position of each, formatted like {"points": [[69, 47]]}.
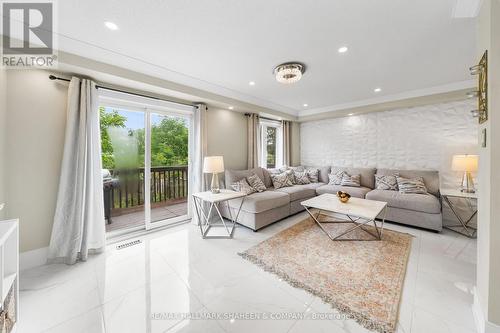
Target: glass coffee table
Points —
{"points": [[358, 212]]}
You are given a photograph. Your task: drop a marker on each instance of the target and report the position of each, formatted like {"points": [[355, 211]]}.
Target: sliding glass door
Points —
{"points": [[145, 157]]}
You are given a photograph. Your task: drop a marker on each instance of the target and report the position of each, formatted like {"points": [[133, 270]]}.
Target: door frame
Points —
{"points": [[150, 106]]}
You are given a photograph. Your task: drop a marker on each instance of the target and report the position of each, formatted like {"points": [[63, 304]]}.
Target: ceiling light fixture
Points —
{"points": [[289, 72], [252, 83], [306, 105], [111, 25], [231, 108], [351, 114], [343, 49], [377, 89]]}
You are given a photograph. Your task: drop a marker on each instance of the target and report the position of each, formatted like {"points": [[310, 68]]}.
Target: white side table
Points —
{"points": [[213, 200], [464, 227]]}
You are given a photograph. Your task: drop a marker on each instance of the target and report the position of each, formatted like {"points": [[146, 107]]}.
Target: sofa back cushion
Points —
{"points": [[232, 176], [431, 177], [367, 174]]}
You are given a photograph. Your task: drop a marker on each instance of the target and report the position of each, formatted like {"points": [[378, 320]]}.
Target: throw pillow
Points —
{"points": [[313, 175], [335, 178], [256, 183], [282, 180], [301, 178], [354, 180], [243, 186], [415, 185], [386, 182]]}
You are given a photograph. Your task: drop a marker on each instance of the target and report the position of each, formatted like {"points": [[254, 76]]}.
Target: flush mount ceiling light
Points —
{"points": [[343, 49], [289, 72], [305, 105], [111, 25], [252, 83], [377, 89]]}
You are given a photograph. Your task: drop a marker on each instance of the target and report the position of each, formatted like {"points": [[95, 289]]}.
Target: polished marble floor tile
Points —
{"points": [[175, 281]]}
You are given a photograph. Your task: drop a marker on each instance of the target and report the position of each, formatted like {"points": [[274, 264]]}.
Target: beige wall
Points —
{"points": [[488, 264], [36, 115], [227, 136], [3, 128]]}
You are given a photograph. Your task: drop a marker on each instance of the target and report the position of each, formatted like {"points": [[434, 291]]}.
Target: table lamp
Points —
{"points": [[214, 165], [466, 164]]}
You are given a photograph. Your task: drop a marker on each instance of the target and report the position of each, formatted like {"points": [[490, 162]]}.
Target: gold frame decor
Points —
{"points": [[481, 70]]}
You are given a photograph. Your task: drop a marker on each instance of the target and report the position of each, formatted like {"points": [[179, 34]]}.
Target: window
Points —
{"points": [[271, 144]]}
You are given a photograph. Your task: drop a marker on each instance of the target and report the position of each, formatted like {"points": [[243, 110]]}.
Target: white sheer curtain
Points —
{"points": [[79, 217], [199, 152]]}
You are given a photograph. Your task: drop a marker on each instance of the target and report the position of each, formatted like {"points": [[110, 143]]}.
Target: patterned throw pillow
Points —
{"points": [[414, 185], [335, 178], [282, 180], [313, 175], [386, 182], [301, 178], [243, 186], [354, 180], [256, 183]]}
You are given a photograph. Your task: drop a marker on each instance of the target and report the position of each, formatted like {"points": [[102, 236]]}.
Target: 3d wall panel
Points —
{"points": [[414, 138]]}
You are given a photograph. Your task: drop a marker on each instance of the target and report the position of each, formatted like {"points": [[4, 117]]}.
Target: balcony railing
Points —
{"points": [[168, 185]]}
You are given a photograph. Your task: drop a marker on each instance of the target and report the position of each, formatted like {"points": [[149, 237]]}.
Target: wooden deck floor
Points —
{"points": [[137, 218]]}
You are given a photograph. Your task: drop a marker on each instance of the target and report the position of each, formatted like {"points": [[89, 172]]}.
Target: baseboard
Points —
{"points": [[33, 258], [482, 325]]}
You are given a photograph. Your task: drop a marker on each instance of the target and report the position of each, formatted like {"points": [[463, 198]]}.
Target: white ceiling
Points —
{"points": [[402, 46]]}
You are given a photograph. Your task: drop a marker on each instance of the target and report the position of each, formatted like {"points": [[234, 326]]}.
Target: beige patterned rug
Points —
{"points": [[361, 279]]}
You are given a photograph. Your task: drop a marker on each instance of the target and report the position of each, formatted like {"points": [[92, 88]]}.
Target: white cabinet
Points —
{"points": [[9, 269]]}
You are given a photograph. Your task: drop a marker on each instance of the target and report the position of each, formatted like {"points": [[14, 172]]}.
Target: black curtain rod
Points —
{"points": [[53, 77], [265, 118]]}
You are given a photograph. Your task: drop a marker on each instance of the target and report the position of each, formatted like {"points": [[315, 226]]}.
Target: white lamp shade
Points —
{"points": [[465, 163], [213, 164]]}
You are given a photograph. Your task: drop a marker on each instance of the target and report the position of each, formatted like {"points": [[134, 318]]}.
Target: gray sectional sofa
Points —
{"points": [[263, 208]]}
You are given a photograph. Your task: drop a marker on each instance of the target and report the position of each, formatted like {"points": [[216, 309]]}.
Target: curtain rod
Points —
{"points": [[265, 118], [53, 77]]}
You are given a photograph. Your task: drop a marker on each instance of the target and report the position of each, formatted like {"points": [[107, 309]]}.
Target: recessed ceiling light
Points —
{"points": [[252, 83], [377, 89], [111, 25], [343, 49], [350, 114], [306, 105], [231, 108]]}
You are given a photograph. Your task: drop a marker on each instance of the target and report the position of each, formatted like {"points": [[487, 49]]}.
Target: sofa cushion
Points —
{"points": [[323, 174], [367, 174], [243, 186], [262, 201], [269, 173], [358, 192], [431, 177], [298, 192], [232, 176], [426, 203], [256, 183]]}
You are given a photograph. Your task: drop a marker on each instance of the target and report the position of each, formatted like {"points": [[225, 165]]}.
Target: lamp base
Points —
{"points": [[467, 183], [214, 187]]}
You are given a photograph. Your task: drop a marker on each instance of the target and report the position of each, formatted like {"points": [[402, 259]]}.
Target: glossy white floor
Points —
{"points": [[175, 271]]}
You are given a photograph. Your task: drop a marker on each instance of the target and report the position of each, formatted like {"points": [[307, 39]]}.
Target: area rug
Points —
{"points": [[361, 279]]}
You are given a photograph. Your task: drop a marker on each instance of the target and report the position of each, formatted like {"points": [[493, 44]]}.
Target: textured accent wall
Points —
{"points": [[414, 138]]}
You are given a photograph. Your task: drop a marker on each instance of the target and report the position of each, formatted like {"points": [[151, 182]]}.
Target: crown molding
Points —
{"points": [[443, 89]]}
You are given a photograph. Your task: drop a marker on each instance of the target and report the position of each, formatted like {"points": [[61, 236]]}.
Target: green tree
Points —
{"points": [[108, 120], [169, 142]]}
